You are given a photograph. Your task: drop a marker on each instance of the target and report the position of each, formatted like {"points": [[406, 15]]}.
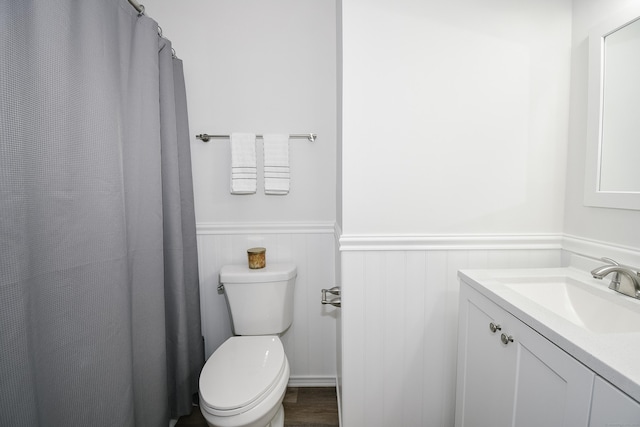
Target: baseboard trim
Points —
{"points": [[311, 381]]}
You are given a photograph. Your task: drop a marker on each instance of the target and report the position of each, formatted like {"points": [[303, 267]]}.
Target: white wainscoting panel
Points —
{"points": [[586, 253], [310, 343], [399, 325]]}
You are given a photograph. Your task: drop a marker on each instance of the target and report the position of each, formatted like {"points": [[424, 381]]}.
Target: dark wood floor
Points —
{"points": [[303, 407]]}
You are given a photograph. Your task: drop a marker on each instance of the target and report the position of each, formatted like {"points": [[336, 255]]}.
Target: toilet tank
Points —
{"points": [[260, 300]]}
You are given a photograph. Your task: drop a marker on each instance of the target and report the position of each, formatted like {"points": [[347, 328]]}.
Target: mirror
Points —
{"points": [[613, 152]]}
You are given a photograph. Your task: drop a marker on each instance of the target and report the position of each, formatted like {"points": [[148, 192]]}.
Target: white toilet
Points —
{"points": [[244, 381]]}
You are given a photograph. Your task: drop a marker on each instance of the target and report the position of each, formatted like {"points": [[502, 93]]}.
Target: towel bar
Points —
{"points": [[206, 137]]}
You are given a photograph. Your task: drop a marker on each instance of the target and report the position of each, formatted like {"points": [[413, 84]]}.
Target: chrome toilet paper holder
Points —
{"points": [[334, 301]]}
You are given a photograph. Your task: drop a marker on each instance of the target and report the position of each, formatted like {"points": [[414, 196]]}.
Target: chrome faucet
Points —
{"points": [[624, 280]]}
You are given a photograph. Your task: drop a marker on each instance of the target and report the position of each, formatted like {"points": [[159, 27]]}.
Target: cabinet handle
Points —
{"points": [[506, 339], [494, 327]]}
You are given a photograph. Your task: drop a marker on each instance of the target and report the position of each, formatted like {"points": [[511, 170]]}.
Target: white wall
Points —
{"points": [[454, 149], [614, 226], [263, 66], [455, 116]]}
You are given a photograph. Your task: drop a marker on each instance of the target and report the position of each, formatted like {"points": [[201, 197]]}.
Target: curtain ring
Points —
{"points": [[159, 30], [173, 53], [141, 11]]}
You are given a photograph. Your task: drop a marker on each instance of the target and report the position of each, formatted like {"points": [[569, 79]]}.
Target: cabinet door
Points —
{"points": [[551, 387], [611, 407], [520, 379], [486, 369]]}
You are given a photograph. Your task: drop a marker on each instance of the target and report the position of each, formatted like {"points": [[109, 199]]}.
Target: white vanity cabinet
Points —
{"points": [[611, 407], [514, 376]]}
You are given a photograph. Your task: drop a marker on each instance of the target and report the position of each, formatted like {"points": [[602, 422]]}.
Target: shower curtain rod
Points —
{"points": [[137, 6], [310, 136], [140, 9]]}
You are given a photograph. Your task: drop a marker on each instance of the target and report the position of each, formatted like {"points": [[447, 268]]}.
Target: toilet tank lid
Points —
{"points": [[241, 273]]}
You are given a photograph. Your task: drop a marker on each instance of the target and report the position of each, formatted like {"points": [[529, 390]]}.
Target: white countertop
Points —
{"points": [[613, 356]]}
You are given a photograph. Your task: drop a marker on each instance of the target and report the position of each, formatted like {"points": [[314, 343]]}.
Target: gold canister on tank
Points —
{"points": [[257, 258]]}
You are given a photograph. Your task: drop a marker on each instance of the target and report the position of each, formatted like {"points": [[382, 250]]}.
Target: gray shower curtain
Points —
{"points": [[99, 305]]}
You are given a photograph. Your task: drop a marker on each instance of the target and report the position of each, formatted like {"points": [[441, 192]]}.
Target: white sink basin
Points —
{"points": [[592, 307]]}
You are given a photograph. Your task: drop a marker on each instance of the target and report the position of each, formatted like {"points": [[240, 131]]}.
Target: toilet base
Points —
{"points": [[278, 419]]}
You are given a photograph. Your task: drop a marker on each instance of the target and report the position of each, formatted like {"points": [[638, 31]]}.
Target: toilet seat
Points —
{"points": [[241, 373]]}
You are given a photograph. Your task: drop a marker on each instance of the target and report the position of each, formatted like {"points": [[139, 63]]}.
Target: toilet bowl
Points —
{"points": [[244, 381]]}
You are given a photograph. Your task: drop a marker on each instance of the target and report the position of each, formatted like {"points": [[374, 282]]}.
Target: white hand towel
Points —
{"points": [[276, 164], [276, 171], [243, 163]]}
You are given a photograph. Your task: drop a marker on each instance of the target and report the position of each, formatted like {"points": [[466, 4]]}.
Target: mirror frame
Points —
{"points": [[593, 196]]}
